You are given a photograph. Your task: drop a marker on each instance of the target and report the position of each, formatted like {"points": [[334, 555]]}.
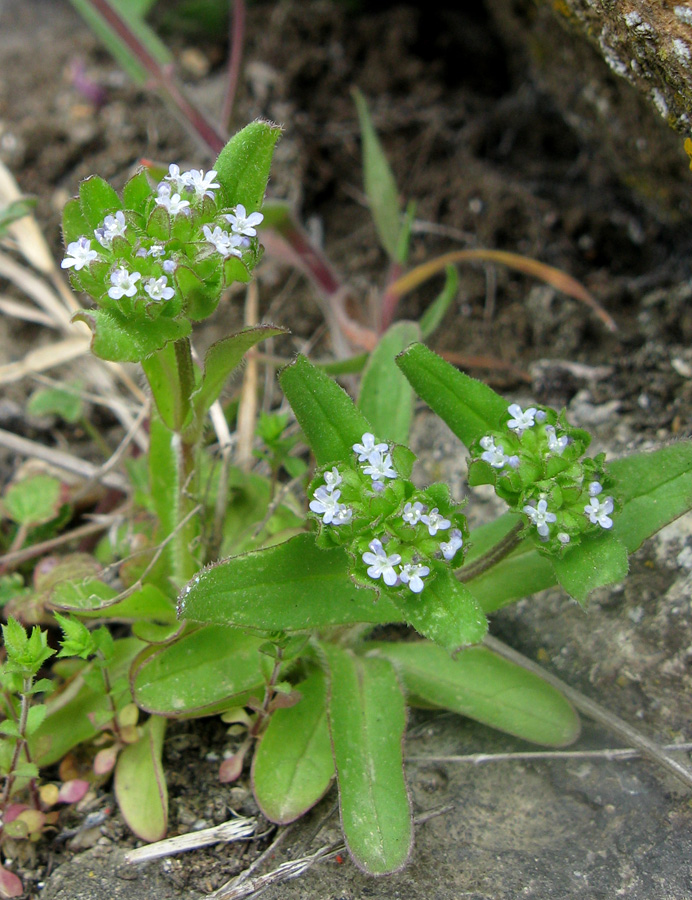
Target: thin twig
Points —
{"points": [[61, 460], [234, 830], [596, 712], [10, 560], [608, 754]]}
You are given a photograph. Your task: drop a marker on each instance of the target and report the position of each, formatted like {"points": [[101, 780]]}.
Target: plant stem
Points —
{"points": [[596, 712], [503, 548], [20, 745], [186, 373]]}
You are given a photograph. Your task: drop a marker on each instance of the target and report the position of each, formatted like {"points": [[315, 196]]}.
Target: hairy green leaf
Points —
{"points": [[140, 783], [243, 165]]}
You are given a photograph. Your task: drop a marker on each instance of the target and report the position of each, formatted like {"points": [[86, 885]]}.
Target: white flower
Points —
{"points": [[493, 454], [203, 185], [521, 420], [413, 575], [563, 537], [169, 266], [177, 178], [412, 513], [380, 564], [541, 415], [124, 283], [224, 243], [366, 448], [595, 488], [158, 289], [435, 522], [171, 202], [343, 515], [241, 223], [599, 511], [326, 504], [449, 548], [540, 517], [513, 461], [79, 254], [556, 444], [380, 466], [156, 250], [113, 226], [332, 479]]}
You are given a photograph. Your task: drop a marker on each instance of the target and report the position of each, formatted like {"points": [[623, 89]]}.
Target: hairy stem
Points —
{"points": [[20, 745], [503, 548]]}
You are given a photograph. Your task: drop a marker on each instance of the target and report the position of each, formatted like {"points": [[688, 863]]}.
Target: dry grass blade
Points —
{"points": [[233, 830], [30, 242], [555, 277], [37, 289], [44, 358], [18, 310]]}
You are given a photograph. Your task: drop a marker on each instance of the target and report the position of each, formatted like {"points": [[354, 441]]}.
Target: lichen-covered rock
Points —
{"points": [[588, 55]]}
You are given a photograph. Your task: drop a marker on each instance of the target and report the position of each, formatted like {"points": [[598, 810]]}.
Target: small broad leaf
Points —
{"points": [[137, 192], [74, 225], [486, 687], [293, 765], [140, 783], [120, 339], [35, 717], [243, 165], [10, 884], [446, 612], [199, 674], [56, 401], [97, 199], [380, 186], [469, 407], [33, 501], [367, 718], [14, 211], [293, 586], [327, 415], [598, 560], [386, 398], [219, 361]]}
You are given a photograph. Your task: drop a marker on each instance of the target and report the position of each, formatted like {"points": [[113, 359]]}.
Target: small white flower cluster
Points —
{"points": [[79, 254], [113, 226], [378, 458], [243, 227], [495, 454], [597, 510], [381, 565], [124, 284], [326, 501], [193, 182]]}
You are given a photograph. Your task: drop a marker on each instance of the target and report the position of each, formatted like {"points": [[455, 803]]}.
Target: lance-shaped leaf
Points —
{"points": [[469, 407], [220, 360], [140, 783], [446, 611], [243, 165], [654, 489], [162, 373], [119, 339], [329, 419], [386, 398], [293, 765], [367, 718], [432, 318], [293, 586], [380, 186], [199, 674], [486, 687], [74, 225], [97, 199]]}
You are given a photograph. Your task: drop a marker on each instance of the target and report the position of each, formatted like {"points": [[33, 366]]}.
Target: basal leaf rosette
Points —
{"points": [[535, 460], [397, 535], [161, 255]]}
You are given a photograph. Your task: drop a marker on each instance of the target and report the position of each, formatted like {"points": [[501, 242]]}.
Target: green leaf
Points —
{"points": [[380, 186], [367, 718], [220, 360], [120, 339], [203, 672], [327, 415], [56, 401], [293, 586], [15, 210], [97, 199], [33, 501], [447, 613], [483, 686], [242, 167], [161, 370], [469, 407], [598, 560], [35, 717], [386, 398], [137, 192], [74, 225], [293, 765], [140, 783], [432, 318]]}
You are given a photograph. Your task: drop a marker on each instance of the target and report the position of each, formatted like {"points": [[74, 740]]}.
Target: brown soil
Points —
{"points": [[492, 162]]}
